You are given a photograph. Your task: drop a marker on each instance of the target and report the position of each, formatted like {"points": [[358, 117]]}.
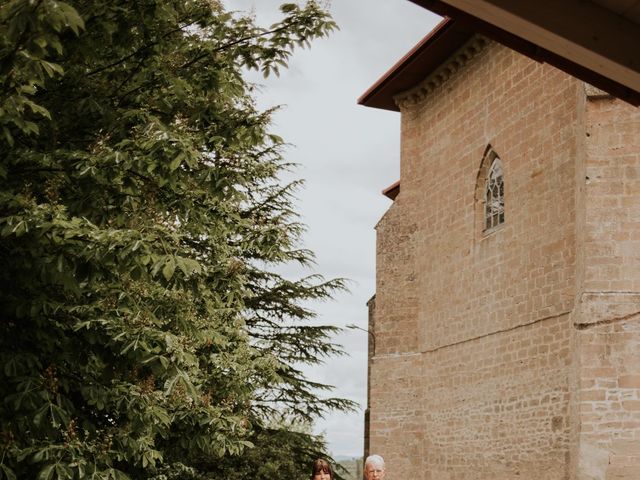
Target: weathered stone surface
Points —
{"points": [[513, 354]]}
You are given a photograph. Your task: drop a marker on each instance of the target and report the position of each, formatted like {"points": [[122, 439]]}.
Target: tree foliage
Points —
{"points": [[283, 450], [144, 331]]}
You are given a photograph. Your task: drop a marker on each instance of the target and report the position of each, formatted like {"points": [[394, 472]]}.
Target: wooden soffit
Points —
{"points": [[596, 41]]}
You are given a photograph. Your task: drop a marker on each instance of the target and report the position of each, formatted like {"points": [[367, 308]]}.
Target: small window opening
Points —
{"points": [[494, 196]]}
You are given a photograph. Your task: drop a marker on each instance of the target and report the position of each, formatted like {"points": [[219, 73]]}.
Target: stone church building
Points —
{"points": [[506, 321]]}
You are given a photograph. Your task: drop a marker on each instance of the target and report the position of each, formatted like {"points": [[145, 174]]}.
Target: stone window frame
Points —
{"points": [[490, 184]]}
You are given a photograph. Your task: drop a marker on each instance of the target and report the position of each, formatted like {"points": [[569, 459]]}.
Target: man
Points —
{"points": [[374, 468]]}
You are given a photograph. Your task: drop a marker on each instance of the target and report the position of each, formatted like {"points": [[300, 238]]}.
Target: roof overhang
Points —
{"points": [[392, 191], [460, 25], [434, 49], [596, 41]]}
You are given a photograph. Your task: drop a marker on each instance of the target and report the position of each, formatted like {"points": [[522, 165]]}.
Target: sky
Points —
{"points": [[347, 154]]}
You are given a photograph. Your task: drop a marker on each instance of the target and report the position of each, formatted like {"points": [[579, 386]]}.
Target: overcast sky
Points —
{"points": [[347, 155]]}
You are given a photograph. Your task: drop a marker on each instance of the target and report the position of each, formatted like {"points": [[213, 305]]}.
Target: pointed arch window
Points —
{"points": [[494, 196]]}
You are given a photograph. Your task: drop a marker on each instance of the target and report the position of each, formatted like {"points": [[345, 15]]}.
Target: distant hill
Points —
{"points": [[339, 458], [353, 467]]}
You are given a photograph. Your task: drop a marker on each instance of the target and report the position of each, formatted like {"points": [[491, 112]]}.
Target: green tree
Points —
{"points": [[283, 450], [144, 331]]}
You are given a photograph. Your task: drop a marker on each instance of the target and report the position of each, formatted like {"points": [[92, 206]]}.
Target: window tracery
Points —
{"points": [[494, 196]]}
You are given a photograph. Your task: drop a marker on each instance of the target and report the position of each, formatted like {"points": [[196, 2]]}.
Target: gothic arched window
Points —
{"points": [[494, 196]]}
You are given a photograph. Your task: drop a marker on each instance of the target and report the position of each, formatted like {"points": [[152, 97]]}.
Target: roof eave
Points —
{"points": [[426, 56], [532, 50], [450, 34]]}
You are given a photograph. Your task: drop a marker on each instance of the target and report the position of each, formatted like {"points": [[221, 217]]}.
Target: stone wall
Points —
{"points": [[514, 353], [607, 316], [472, 374]]}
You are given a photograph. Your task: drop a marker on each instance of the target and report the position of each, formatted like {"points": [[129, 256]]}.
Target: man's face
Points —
{"points": [[374, 472]]}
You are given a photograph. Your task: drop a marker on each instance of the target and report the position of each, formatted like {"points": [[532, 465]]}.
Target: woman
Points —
{"points": [[321, 470]]}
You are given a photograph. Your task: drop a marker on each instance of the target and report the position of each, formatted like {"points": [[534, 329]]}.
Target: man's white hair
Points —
{"points": [[376, 460]]}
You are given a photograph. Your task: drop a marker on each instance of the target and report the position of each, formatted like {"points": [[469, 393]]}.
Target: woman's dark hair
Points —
{"points": [[321, 466]]}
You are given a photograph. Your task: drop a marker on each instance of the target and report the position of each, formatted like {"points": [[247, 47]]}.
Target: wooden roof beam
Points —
{"points": [[585, 33]]}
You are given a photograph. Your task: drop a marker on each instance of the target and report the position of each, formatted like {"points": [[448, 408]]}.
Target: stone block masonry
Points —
{"points": [[513, 353]]}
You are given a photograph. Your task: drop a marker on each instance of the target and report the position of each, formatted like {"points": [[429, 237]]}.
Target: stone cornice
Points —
{"points": [[442, 73]]}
